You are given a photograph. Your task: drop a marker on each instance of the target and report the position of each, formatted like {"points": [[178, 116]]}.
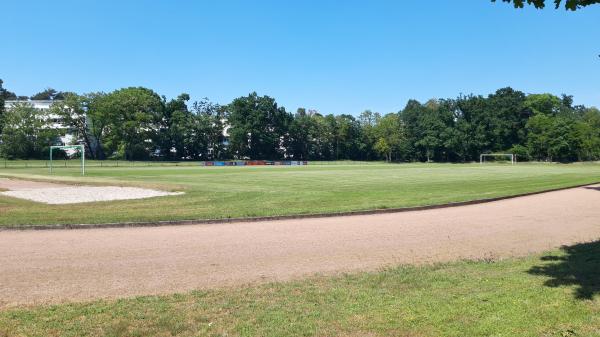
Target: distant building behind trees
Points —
{"points": [[138, 124]]}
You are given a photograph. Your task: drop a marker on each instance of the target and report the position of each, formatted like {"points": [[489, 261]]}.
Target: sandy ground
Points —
{"points": [[20, 185], [57, 194], [76, 265]]}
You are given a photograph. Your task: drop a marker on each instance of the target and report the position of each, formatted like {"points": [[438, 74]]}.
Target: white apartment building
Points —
{"points": [[54, 121]]}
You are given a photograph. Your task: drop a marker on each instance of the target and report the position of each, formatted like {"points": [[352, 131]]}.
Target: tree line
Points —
{"points": [[138, 124]]}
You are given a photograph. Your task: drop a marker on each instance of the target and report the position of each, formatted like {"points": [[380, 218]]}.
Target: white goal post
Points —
{"points": [[513, 158], [70, 147]]}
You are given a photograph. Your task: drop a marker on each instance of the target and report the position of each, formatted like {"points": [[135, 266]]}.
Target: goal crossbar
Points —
{"points": [[513, 158], [69, 147]]}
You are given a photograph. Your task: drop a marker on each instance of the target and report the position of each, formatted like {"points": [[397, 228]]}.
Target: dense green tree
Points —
{"points": [[410, 116], [133, 117], [136, 123], [588, 130], [368, 120], [74, 113], [48, 94], [546, 104], [347, 136], [553, 138], [505, 117], [206, 137], [389, 136], [568, 4], [301, 136], [324, 138], [427, 129], [5, 94], [173, 128], [26, 133], [99, 123], [467, 139], [483, 125], [2, 99], [259, 127]]}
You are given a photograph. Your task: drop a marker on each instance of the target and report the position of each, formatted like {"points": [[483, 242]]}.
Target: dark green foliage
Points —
{"points": [[258, 127], [24, 134], [135, 114], [569, 4], [72, 109], [5, 95], [2, 90], [138, 124], [195, 134], [49, 95]]}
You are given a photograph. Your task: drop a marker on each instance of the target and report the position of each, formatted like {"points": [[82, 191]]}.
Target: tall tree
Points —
{"points": [[506, 116], [568, 4], [73, 109], [553, 138], [27, 133], [196, 133], [208, 135], [301, 135], [589, 133], [368, 120], [410, 117], [134, 115], [6, 95], [347, 137], [48, 94], [389, 136], [173, 128], [259, 127], [427, 129], [1, 105]]}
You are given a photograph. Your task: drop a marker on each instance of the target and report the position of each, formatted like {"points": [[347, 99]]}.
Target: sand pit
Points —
{"points": [[57, 194]]}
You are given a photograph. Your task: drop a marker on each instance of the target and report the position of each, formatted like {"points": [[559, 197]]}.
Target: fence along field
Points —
{"points": [[58, 163], [226, 192]]}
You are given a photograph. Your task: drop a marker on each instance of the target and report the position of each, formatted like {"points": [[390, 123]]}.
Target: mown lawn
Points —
{"points": [[555, 294], [262, 191]]}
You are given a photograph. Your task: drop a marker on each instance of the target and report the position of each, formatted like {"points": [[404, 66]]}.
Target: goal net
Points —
{"points": [[498, 158], [71, 151]]}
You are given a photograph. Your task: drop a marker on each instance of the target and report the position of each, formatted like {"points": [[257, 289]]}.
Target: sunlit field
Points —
{"points": [[212, 192]]}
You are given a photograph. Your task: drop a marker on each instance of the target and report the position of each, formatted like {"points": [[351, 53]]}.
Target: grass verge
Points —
{"points": [[555, 294]]}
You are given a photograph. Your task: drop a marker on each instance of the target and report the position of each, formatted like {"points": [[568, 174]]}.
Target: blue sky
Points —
{"points": [[333, 56]]}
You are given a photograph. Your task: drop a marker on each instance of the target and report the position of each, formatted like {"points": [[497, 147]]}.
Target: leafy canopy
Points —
{"points": [[572, 5]]}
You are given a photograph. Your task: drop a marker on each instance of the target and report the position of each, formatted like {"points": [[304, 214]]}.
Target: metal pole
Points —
{"points": [[51, 159], [82, 160]]}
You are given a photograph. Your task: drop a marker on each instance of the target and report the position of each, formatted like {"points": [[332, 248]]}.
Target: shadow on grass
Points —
{"points": [[579, 266]]}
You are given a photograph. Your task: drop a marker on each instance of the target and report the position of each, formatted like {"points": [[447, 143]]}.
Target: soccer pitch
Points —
{"points": [[231, 192]]}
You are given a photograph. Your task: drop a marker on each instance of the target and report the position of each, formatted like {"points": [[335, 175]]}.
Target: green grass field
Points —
{"points": [[263, 191], [552, 295]]}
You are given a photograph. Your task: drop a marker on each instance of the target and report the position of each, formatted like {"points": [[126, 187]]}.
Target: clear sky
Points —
{"points": [[333, 56]]}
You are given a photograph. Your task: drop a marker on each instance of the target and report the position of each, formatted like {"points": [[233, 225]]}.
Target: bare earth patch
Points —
{"points": [[57, 194], [17, 185], [77, 265]]}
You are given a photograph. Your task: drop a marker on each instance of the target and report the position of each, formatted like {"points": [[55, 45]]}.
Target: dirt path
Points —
{"points": [[67, 265]]}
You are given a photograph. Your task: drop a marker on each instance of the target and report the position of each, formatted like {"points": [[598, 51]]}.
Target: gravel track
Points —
{"points": [[77, 265]]}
